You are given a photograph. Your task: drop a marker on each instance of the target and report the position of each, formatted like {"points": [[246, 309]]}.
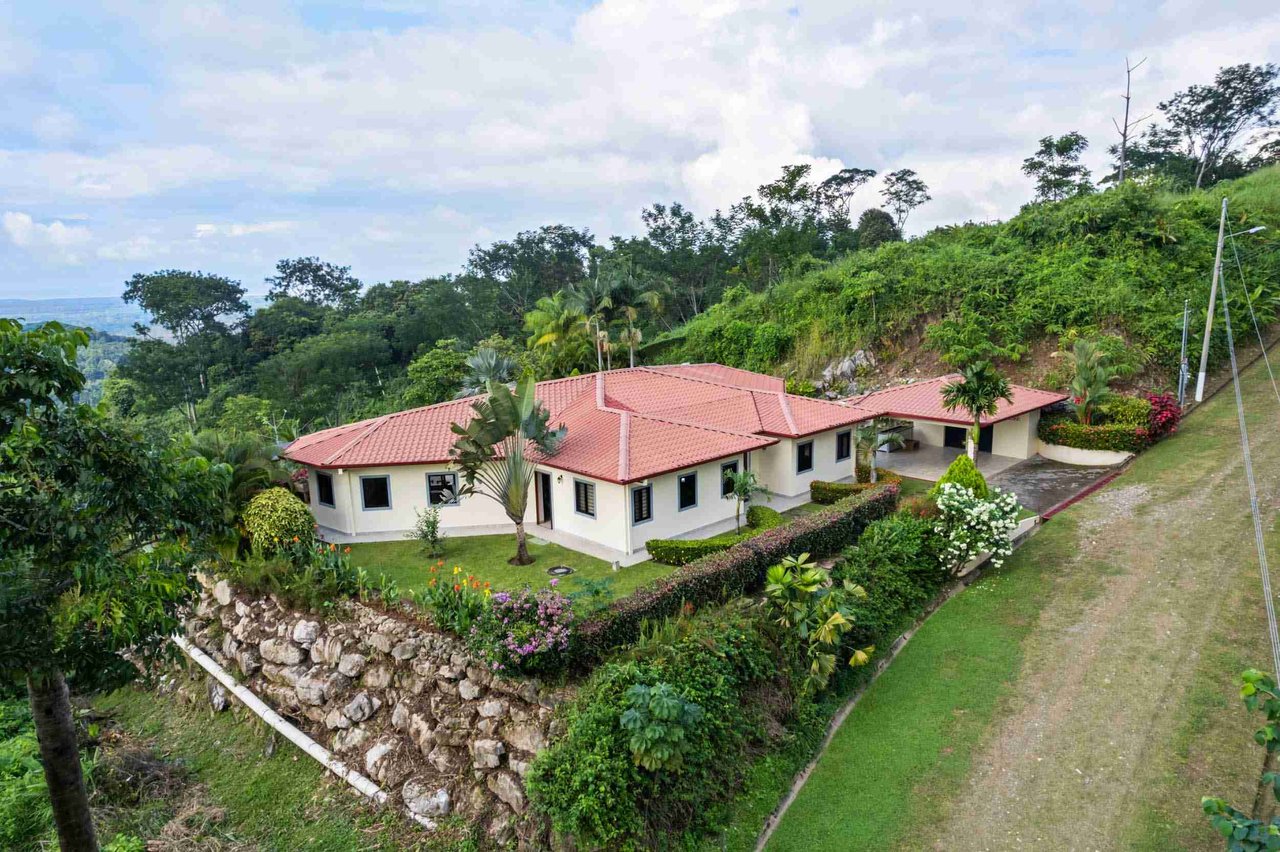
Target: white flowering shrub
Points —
{"points": [[970, 526]]}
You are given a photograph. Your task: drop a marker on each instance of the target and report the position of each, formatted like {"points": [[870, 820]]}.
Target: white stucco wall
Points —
{"points": [[608, 527], [776, 465], [1016, 438], [929, 434], [668, 520], [408, 494]]}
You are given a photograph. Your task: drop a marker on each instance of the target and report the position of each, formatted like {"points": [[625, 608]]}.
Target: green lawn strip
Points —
{"points": [[922, 719], [485, 556], [283, 802]]}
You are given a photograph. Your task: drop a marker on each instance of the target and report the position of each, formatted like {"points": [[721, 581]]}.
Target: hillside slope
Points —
{"points": [[1121, 261]]}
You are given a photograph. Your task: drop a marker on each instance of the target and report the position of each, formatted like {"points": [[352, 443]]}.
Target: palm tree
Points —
{"points": [[594, 299], [979, 391], [497, 450], [556, 332], [745, 488], [869, 440], [253, 462], [1090, 386], [485, 365]]}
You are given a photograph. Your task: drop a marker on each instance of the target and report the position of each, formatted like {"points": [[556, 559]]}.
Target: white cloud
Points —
{"points": [[141, 247], [57, 240], [236, 229]]}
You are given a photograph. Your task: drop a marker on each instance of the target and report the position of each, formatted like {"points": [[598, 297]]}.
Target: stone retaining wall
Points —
{"points": [[404, 704]]}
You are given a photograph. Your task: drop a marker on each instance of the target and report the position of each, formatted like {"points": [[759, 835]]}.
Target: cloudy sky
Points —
{"points": [[393, 135]]}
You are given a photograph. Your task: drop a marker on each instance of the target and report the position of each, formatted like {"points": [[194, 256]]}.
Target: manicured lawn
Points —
{"points": [[1096, 673], [485, 556]]}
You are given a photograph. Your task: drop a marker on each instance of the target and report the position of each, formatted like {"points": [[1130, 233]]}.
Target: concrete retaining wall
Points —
{"points": [[1072, 455]]}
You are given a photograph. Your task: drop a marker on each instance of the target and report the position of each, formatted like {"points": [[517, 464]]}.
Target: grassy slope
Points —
{"points": [[283, 802], [1122, 260], [1143, 718]]}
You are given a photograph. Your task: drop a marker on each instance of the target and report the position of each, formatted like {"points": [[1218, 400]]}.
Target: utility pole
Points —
{"points": [[1184, 371], [1213, 296]]}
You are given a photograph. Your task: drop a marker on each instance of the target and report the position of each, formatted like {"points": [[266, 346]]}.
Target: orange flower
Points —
{"points": [[433, 582], [440, 563], [333, 547], [456, 587], [433, 569], [346, 550], [486, 585], [295, 538]]}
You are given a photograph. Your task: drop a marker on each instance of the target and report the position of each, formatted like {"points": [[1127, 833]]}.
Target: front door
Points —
{"points": [[984, 439], [544, 499]]}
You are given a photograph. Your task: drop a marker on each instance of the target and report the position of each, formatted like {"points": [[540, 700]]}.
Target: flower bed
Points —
{"points": [[1122, 437], [739, 570]]}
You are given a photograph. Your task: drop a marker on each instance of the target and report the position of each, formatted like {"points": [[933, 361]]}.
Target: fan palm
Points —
{"points": [[485, 365], [979, 391], [497, 450]]}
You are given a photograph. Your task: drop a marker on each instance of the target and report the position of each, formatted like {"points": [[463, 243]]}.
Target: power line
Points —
{"points": [[1272, 630], [1248, 300]]}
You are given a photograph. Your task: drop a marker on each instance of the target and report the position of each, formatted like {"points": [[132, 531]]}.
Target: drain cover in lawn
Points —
{"points": [[559, 570]]}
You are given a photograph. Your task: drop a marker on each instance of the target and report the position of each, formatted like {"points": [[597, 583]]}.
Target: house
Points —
{"points": [[1010, 432], [644, 456]]}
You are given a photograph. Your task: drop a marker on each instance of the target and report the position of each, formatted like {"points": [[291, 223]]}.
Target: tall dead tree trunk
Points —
{"points": [[1128, 125], [60, 754]]}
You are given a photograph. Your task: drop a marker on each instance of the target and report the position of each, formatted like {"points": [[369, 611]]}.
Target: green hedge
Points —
{"points": [[682, 551], [827, 493], [739, 570], [1117, 437]]}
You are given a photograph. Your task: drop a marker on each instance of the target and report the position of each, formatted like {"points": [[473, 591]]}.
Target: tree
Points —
{"points": [[838, 190], [186, 303], [1123, 128], [436, 375], [1245, 833], [281, 324], [745, 488], [486, 364], [1057, 169], [533, 265], [876, 227], [593, 298], [314, 281], [557, 335], [1211, 118], [870, 440], [250, 460], [979, 391], [497, 451], [99, 535], [1090, 384], [903, 192]]}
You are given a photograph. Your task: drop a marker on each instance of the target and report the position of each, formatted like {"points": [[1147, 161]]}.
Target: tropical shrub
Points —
{"points": [[426, 529], [816, 614], [276, 518], [454, 602], [919, 506], [739, 570], [1114, 437], [970, 526], [863, 475], [525, 631], [659, 720], [1166, 414], [896, 561], [1243, 832], [682, 551], [315, 577], [827, 493], [963, 472], [1128, 410], [588, 782]]}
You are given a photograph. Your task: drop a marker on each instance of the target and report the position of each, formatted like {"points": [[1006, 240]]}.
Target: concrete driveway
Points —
{"points": [[1042, 484]]}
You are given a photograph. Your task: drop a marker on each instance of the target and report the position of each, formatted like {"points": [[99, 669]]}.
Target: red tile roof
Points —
{"points": [[923, 401], [622, 426]]}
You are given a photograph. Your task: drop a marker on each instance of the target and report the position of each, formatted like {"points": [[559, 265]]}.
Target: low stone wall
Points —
{"points": [[405, 705]]}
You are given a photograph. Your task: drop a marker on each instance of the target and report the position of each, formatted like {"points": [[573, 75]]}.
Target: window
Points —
{"points": [[687, 487], [442, 489], [584, 498], [844, 445], [726, 484], [324, 489], [804, 457], [375, 492], [642, 504]]}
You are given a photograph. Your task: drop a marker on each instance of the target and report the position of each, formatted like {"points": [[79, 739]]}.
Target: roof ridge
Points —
{"points": [[707, 381], [673, 422], [373, 427], [624, 447], [786, 411]]}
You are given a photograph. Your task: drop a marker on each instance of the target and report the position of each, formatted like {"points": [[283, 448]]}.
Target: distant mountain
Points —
{"points": [[101, 313]]}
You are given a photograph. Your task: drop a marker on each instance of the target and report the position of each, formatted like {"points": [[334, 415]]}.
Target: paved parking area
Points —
{"points": [[1042, 484]]}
